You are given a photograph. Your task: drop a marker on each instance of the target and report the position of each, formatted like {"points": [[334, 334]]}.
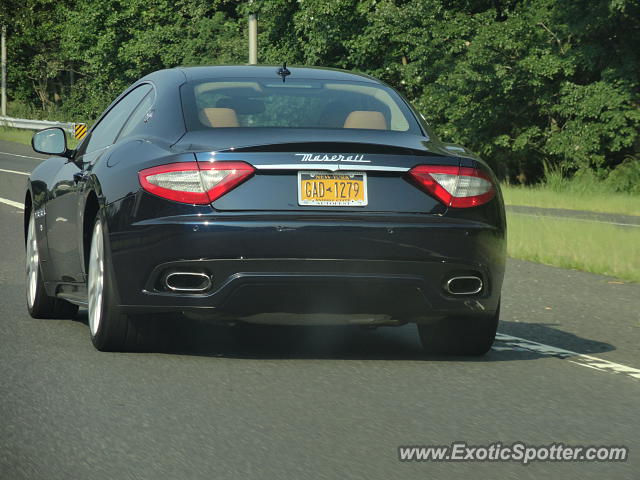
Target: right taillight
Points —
{"points": [[457, 187]]}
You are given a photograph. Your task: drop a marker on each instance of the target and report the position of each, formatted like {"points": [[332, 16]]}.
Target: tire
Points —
{"points": [[39, 304], [470, 336], [110, 329]]}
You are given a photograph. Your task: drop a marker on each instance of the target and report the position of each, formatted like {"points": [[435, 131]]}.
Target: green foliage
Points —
{"points": [[576, 244], [602, 200], [523, 82], [16, 135], [625, 177]]}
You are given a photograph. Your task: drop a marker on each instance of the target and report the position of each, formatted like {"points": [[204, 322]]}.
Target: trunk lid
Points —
{"points": [[377, 161]]}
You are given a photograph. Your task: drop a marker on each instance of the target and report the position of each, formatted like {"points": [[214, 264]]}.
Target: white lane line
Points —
{"points": [[22, 156], [14, 171], [559, 217], [509, 342], [12, 203]]}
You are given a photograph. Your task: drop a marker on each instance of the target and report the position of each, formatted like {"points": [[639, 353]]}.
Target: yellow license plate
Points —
{"points": [[332, 189]]}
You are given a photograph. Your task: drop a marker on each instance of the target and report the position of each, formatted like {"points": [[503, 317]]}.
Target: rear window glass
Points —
{"points": [[243, 103]]}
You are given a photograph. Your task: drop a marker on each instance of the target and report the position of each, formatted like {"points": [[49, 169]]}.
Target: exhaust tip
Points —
{"points": [[464, 285], [188, 282]]}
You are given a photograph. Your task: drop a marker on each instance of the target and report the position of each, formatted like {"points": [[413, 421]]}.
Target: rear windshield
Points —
{"points": [[233, 103]]}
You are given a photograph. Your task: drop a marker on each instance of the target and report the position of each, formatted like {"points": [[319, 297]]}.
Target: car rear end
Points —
{"points": [[305, 225]]}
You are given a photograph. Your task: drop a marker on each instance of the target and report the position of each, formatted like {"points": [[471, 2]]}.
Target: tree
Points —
{"points": [[523, 82]]}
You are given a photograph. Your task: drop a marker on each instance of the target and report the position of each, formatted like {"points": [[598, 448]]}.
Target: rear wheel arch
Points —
{"points": [[91, 209], [28, 207]]}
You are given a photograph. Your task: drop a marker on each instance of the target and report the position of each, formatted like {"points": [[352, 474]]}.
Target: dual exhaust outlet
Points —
{"points": [[198, 282], [187, 282], [464, 285]]}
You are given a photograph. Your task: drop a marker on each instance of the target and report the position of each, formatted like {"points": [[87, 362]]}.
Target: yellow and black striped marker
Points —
{"points": [[80, 130]]}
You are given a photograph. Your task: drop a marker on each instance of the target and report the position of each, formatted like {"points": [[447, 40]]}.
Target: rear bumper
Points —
{"points": [[394, 268], [402, 290]]}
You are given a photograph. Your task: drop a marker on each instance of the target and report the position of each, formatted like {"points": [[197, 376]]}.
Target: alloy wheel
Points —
{"points": [[33, 262], [95, 284]]}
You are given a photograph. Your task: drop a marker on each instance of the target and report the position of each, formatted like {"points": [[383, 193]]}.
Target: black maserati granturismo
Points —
{"points": [[264, 194]]}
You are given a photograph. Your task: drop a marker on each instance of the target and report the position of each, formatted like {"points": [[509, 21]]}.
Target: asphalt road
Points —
{"points": [[316, 403]]}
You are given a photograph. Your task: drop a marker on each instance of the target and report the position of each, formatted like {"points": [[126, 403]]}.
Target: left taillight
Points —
{"points": [[192, 182], [457, 187]]}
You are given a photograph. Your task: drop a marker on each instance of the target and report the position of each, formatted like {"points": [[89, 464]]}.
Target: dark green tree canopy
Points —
{"points": [[526, 83]]}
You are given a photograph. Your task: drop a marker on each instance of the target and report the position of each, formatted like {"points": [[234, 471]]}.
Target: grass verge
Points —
{"points": [[591, 247], [17, 135], [624, 203], [20, 135]]}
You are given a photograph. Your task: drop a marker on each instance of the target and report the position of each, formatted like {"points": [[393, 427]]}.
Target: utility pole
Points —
{"points": [[253, 39], [3, 49]]}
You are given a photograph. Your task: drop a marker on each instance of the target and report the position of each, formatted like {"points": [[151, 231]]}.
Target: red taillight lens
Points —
{"points": [[457, 187], [192, 182]]}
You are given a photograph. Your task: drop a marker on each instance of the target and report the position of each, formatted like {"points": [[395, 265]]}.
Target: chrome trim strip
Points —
{"points": [[448, 285], [331, 167]]}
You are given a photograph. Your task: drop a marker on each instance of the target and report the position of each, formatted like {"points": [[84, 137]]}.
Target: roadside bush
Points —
{"points": [[21, 109], [625, 177]]}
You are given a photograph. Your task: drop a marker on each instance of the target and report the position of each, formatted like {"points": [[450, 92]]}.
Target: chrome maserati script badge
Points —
{"points": [[323, 157]]}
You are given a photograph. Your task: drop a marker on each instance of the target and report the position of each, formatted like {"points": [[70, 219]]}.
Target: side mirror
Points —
{"points": [[51, 141]]}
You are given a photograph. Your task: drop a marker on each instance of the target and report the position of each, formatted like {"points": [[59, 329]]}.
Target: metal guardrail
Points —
{"points": [[34, 124]]}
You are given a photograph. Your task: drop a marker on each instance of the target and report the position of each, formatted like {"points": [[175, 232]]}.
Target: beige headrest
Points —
{"points": [[219, 117], [365, 119]]}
